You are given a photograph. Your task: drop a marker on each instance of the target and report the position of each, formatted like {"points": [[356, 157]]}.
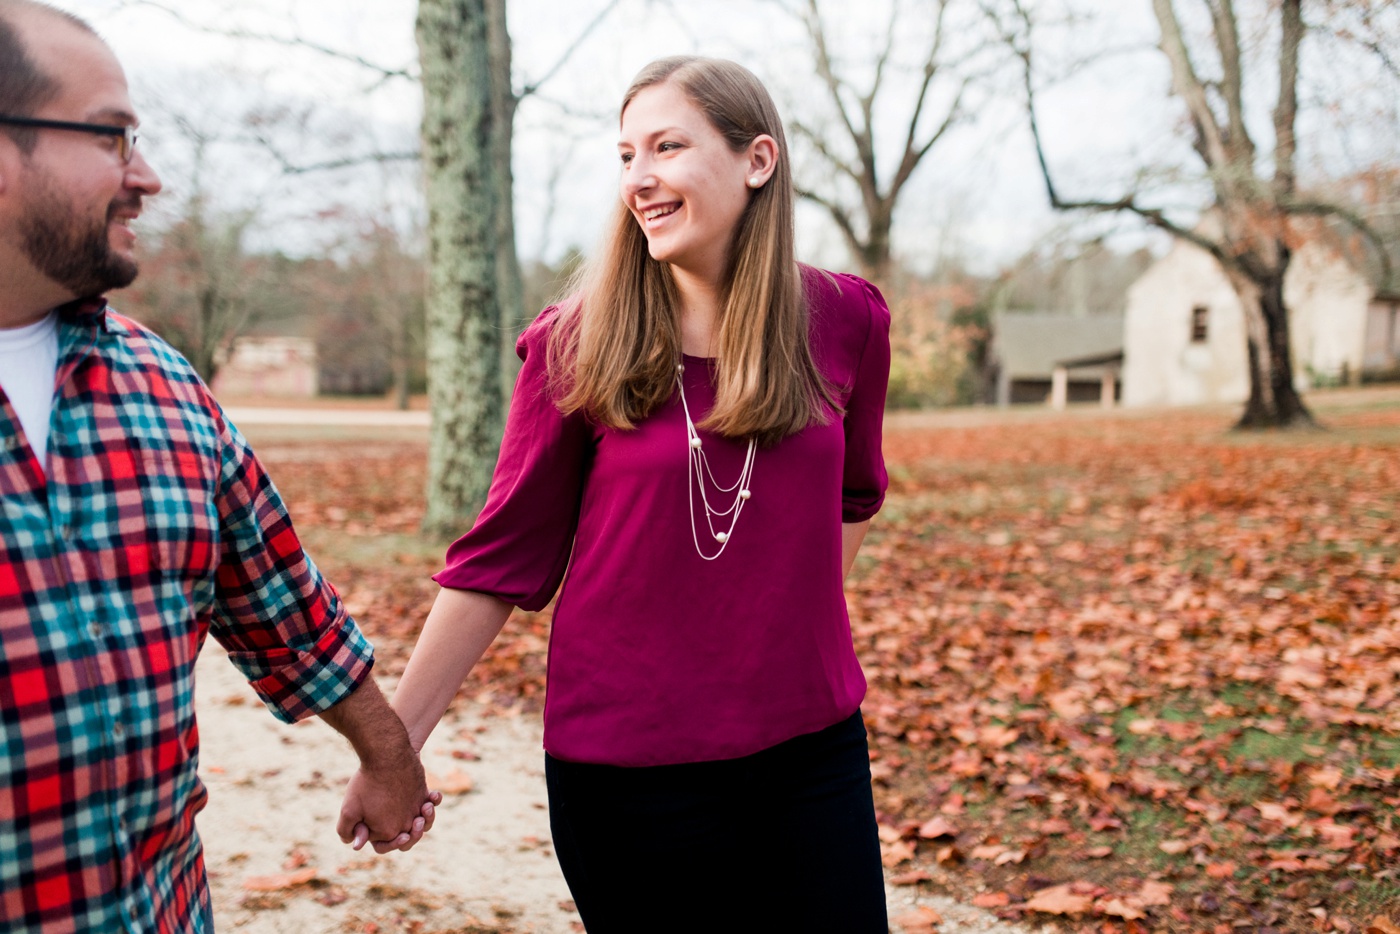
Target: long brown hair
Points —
{"points": [[614, 348]]}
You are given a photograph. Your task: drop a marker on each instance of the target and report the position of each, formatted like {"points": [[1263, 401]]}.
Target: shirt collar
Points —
{"points": [[91, 312]]}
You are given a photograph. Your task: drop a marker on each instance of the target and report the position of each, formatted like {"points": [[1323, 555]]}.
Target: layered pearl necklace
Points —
{"points": [[698, 470]]}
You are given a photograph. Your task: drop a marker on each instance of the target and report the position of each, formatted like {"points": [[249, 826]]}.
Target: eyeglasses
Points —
{"points": [[126, 135]]}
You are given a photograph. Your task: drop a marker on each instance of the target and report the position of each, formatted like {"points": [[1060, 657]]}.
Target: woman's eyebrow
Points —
{"points": [[665, 131]]}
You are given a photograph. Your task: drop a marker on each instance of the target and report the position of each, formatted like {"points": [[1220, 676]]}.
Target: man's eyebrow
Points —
{"points": [[115, 116]]}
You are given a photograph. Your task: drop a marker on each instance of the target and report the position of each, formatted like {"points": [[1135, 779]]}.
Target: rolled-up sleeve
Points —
{"points": [[519, 547], [864, 481], [282, 623]]}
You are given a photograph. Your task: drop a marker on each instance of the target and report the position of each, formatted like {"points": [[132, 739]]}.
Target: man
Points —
{"points": [[133, 520]]}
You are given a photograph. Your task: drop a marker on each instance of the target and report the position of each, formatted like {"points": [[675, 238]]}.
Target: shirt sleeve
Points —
{"points": [[519, 547], [864, 479], [282, 623]]}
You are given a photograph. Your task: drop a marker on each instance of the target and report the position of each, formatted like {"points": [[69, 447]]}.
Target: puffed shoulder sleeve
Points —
{"points": [[519, 546], [864, 480]]}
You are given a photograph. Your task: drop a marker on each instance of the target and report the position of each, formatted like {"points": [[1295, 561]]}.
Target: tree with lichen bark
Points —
{"points": [[460, 128], [1259, 214]]}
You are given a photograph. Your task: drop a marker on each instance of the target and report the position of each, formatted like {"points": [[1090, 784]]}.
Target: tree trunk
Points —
{"points": [[1273, 400], [509, 283], [463, 295]]}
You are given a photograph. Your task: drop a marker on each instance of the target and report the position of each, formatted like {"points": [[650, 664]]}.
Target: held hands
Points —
{"points": [[387, 805]]}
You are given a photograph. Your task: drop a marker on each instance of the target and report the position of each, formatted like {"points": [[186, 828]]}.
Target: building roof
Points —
{"points": [[1029, 344]]}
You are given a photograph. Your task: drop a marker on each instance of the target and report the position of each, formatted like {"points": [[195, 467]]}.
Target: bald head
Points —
{"points": [[24, 85]]}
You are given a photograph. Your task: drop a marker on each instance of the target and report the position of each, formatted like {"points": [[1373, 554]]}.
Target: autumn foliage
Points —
{"points": [[1133, 672]]}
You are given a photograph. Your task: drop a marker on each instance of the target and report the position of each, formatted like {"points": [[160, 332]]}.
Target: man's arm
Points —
{"points": [[388, 801]]}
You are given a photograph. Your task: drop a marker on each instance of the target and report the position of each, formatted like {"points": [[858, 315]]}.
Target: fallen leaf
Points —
{"points": [[278, 881], [992, 900], [937, 827], [1120, 909], [299, 857], [1059, 900], [922, 920], [1098, 852], [1380, 924], [1154, 893], [1174, 847], [892, 854], [455, 782]]}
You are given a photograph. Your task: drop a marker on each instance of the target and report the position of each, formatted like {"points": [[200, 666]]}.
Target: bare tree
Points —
{"points": [[1258, 207], [865, 193]]}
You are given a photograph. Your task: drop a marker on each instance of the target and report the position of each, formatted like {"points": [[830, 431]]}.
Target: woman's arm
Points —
{"points": [[852, 534], [458, 630]]}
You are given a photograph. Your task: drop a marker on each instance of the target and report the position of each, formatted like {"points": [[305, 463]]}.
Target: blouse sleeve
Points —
{"points": [[864, 479], [519, 546]]}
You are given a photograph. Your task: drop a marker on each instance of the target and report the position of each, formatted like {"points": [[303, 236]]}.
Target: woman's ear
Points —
{"points": [[763, 160]]}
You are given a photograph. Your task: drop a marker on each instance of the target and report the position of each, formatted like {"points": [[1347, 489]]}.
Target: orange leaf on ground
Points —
{"points": [[1059, 900], [1174, 847], [1154, 893], [1380, 924], [281, 880], [992, 900], [922, 920], [1121, 909], [1221, 870], [937, 827], [455, 782]]}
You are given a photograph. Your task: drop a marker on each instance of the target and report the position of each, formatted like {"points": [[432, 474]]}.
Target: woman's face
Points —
{"points": [[682, 182]]}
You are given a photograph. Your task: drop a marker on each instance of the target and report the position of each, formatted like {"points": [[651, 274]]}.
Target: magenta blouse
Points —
{"points": [[657, 656]]}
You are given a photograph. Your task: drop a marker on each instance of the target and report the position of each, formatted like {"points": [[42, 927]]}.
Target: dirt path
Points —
{"points": [[487, 866]]}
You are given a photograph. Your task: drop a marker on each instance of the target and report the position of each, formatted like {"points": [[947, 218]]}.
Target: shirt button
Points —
{"points": [[95, 630], [119, 732]]}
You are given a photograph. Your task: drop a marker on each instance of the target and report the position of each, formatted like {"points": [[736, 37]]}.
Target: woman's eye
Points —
{"points": [[626, 157], [667, 147]]}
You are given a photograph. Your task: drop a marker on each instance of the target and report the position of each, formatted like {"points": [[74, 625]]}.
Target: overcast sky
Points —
{"points": [[978, 195]]}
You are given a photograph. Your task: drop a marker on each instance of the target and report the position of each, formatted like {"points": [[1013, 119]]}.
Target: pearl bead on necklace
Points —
{"points": [[698, 470]]}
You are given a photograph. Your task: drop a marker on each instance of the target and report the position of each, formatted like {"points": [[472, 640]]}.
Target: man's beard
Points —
{"points": [[67, 249]]}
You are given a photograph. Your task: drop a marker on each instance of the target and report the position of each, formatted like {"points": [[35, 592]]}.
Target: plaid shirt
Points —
{"points": [[155, 525]]}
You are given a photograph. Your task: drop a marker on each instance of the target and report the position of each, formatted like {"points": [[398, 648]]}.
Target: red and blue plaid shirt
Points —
{"points": [[154, 525]]}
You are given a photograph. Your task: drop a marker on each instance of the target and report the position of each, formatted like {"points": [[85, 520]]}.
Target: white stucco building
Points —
{"points": [[1184, 330]]}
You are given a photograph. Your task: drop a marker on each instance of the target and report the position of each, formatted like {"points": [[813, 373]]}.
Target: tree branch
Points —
{"points": [[1211, 139], [1286, 108], [819, 143], [554, 69], [299, 42], [838, 214], [1378, 242]]}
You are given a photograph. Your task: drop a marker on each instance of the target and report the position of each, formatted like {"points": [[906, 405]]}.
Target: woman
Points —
{"points": [[695, 440]]}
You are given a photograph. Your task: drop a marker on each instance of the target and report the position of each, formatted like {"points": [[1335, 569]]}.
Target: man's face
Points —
{"points": [[71, 242], [74, 196]]}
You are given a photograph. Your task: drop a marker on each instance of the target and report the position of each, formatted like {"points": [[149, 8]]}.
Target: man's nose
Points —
{"points": [[141, 176]]}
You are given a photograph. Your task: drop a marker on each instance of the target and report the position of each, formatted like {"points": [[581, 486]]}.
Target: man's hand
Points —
{"points": [[377, 801], [387, 802]]}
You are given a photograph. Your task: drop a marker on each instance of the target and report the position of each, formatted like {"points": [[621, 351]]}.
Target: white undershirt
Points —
{"points": [[28, 365]]}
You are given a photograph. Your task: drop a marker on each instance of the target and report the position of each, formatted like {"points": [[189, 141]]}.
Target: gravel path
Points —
{"points": [[275, 789]]}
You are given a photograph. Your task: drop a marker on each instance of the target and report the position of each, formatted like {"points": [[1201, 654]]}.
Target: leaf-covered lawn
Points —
{"points": [[1124, 671]]}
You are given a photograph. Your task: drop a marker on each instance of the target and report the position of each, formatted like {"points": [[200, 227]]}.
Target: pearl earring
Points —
{"points": [[755, 182]]}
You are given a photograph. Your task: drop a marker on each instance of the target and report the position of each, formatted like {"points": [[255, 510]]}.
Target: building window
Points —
{"points": [[1200, 320]]}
